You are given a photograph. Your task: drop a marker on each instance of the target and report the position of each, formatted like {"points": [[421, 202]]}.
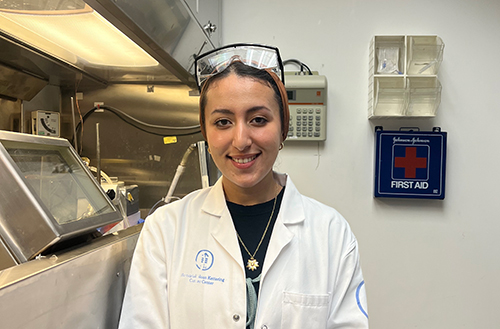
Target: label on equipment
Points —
{"points": [[169, 139]]}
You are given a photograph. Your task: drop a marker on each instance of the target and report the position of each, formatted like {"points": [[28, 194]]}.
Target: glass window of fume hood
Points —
{"points": [[60, 182]]}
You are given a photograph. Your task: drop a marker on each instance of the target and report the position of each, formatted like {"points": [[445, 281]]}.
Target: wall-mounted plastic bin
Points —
{"points": [[424, 96], [425, 55], [390, 97], [389, 54], [403, 76]]}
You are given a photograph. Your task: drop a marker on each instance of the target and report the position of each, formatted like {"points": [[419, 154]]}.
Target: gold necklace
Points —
{"points": [[252, 263]]}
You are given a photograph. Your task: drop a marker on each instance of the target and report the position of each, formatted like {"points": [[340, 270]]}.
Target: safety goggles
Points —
{"points": [[217, 60]]}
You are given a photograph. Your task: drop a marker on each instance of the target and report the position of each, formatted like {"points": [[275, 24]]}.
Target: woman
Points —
{"points": [[202, 261]]}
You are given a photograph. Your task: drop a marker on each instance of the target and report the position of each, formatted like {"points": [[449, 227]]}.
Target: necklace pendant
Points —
{"points": [[252, 264]]}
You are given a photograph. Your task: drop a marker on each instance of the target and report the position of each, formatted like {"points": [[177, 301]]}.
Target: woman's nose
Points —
{"points": [[241, 137]]}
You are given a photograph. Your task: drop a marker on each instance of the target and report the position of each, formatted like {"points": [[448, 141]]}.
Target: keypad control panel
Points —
{"points": [[307, 123], [307, 103]]}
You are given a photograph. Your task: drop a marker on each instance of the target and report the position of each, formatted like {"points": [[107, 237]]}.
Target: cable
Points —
{"points": [[159, 203], [301, 64], [80, 147], [109, 108], [153, 208], [135, 123]]}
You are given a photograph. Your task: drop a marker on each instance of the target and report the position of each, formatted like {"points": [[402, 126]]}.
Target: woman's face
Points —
{"points": [[243, 130]]}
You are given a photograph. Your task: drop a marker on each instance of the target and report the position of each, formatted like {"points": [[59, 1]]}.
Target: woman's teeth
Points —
{"points": [[245, 160]]}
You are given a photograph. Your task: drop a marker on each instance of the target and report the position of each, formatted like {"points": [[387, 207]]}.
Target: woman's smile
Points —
{"points": [[243, 160]]}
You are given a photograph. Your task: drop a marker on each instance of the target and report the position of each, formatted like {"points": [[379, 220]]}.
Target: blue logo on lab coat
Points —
{"points": [[204, 260]]}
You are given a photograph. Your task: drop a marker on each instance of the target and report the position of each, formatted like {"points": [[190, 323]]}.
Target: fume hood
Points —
{"points": [[97, 42], [47, 195]]}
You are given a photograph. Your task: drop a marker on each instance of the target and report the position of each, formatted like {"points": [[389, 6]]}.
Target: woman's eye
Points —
{"points": [[222, 122], [260, 120]]}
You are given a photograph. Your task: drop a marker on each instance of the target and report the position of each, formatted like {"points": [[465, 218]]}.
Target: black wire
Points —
{"points": [[301, 64], [307, 67], [117, 113]]}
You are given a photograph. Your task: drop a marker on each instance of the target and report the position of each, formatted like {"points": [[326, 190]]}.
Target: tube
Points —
{"points": [[178, 173]]}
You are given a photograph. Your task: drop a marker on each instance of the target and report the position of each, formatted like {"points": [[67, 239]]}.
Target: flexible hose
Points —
{"points": [[103, 174], [178, 173]]}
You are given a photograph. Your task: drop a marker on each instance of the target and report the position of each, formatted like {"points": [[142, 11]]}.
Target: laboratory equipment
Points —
{"points": [[83, 286], [45, 123], [307, 103], [47, 196]]}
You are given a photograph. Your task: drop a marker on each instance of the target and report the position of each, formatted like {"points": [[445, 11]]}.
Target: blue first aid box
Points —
{"points": [[410, 164]]}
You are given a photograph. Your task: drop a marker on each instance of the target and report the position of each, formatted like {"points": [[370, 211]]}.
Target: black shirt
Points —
{"points": [[250, 223]]}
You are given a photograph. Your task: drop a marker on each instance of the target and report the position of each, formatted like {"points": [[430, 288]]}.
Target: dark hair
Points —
{"points": [[246, 71]]}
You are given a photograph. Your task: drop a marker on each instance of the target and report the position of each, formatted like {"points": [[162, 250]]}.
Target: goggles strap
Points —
{"points": [[284, 100]]}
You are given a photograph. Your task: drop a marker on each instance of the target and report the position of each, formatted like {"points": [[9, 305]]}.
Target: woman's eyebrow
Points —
{"points": [[258, 108], [221, 111], [250, 110]]}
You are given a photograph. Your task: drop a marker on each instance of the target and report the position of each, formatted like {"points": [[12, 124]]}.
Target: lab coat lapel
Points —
{"points": [[291, 212], [223, 232]]}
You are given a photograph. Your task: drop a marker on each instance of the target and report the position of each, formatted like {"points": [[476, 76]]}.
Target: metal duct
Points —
{"points": [[15, 84], [164, 29]]}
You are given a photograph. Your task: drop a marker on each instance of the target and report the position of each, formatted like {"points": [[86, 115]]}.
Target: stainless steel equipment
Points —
{"points": [[66, 42], [169, 32], [11, 80], [47, 196], [81, 288]]}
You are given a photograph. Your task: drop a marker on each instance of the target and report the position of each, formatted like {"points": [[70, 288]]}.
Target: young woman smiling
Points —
{"points": [[251, 251]]}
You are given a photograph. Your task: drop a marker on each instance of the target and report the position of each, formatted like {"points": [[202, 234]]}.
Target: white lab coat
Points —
{"points": [[187, 271]]}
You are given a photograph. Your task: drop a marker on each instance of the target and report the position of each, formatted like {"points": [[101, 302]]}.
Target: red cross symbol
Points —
{"points": [[410, 162]]}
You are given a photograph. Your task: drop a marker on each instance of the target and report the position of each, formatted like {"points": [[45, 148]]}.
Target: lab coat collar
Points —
{"points": [[223, 231], [291, 210], [215, 203]]}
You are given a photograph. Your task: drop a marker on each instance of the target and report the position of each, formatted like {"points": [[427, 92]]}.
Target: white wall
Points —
{"points": [[427, 264]]}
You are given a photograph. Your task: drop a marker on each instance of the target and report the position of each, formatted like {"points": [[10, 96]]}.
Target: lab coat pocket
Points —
{"points": [[304, 311]]}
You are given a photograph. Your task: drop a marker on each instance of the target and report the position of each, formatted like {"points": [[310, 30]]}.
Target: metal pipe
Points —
{"points": [[98, 148], [21, 124], [74, 124]]}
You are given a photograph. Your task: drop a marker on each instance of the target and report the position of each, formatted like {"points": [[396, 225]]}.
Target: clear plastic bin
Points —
{"points": [[425, 54], [389, 55], [424, 96], [390, 97]]}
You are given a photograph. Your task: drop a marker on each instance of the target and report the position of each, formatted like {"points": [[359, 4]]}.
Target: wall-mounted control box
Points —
{"points": [[307, 103], [45, 123]]}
